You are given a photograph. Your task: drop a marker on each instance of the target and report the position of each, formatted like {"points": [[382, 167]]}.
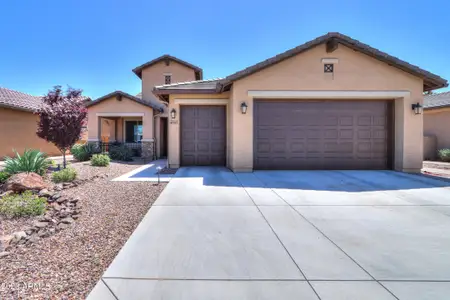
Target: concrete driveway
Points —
{"points": [[213, 234]]}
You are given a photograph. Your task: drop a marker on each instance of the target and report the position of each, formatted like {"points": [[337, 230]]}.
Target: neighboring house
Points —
{"points": [[18, 124], [436, 123], [331, 103]]}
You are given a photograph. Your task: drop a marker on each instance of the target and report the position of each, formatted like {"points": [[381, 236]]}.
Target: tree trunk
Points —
{"points": [[64, 158]]}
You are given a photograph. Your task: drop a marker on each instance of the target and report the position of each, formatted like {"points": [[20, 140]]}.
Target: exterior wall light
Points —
{"points": [[417, 108], [173, 113], [244, 108]]}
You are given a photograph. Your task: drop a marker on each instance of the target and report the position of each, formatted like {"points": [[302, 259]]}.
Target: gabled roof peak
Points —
{"points": [[166, 57]]}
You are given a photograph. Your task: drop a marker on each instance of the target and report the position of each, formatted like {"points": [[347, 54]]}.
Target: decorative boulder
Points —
{"points": [[25, 181]]}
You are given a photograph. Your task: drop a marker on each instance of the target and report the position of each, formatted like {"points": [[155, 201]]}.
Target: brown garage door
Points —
{"points": [[203, 135], [322, 134]]}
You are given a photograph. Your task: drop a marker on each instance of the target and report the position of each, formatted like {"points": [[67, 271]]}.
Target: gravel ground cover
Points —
{"points": [[68, 264]]}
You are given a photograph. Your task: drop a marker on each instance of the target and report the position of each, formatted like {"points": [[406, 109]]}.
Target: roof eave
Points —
{"points": [[158, 92], [122, 94], [5, 105], [436, 107]]}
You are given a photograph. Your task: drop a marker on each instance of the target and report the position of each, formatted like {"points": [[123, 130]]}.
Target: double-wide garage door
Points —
{"points": [[203, 135], [291, 134]]}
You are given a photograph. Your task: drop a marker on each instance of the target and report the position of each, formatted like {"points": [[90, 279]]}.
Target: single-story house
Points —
{"points": [[436, 123], [331, 103], [18, 124]]}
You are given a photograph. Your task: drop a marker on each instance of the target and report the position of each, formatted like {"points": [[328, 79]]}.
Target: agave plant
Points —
{"points": [[30, 161]]}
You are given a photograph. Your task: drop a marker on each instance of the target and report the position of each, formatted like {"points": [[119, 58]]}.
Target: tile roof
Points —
{"points": [[167, 57], [431, 81], [434, 101], [126, 95], [19, 100]]}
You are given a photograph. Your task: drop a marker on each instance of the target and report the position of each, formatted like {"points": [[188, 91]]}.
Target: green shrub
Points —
{"points": [[100, 160], [52, 163], [25, 204], [4, 176], [444, 155], [120, 152], [30, 161], [65, 175], [84, 152]]}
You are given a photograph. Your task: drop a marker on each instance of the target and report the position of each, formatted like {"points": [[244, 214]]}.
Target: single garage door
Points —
{"points": [[322, 134], [203, 135]]}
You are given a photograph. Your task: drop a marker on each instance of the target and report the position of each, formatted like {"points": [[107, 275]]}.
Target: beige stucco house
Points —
{"points": [[436, 124], [331, 103]]}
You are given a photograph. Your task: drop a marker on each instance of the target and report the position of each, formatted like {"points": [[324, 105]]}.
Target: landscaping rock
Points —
{"points": [[17, 236], [61, 200], [5, 194], [43, 234], [41, 224], [33, 239], [4, 254], [67, 220], [25, 181], [56, 196], [56, 206], [46, 193], [62, 226], [74, 200], [5, 241]]}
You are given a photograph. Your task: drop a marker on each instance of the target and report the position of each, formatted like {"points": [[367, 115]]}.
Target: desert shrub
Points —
{"points": [[120, 152], [30, 161], [25, 204], [444, 155], [100, 160], [65, 175], [84, 152], [4, 176], [51, 163]]}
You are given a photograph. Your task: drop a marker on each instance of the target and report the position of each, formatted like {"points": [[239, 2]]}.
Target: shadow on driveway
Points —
{"points": [[344, 181]]}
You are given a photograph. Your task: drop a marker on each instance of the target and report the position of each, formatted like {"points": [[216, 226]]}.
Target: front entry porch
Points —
{"points": [[133, 130]]}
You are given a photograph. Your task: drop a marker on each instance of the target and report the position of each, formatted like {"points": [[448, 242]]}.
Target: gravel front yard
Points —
{"points": [[68, 264]]}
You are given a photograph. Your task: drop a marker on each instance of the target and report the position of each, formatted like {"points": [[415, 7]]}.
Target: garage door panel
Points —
{"points": [[321, 134], [203, 136], [346, 121]]}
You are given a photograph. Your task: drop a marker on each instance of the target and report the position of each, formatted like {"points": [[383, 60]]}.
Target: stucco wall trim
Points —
{"points": [[329, 94], [330, 60], [118, 114], [201, 101]]}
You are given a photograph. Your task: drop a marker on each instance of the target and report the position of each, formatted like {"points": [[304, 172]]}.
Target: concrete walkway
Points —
{"points": [[148, 172], [213, 234]]}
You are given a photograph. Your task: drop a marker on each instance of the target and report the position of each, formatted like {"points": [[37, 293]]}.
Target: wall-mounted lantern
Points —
{"points": [[173, 113], [244, 108], [417, 108]]}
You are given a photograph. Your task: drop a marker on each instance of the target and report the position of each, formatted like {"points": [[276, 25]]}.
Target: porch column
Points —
{"points": [[94, 129], [147, 142]]}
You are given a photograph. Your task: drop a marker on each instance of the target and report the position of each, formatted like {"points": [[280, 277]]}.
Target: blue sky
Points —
{"points": [[94, 45]]}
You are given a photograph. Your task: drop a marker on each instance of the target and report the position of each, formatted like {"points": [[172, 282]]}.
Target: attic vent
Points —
{"points": [[328, 68]]}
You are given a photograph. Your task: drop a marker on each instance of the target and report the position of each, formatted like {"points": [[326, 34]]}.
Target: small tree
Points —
{"points": [[61, 118]]}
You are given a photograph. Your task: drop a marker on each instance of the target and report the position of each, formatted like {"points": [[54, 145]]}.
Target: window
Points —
{"points": [[133, 131], [167, 79]]}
